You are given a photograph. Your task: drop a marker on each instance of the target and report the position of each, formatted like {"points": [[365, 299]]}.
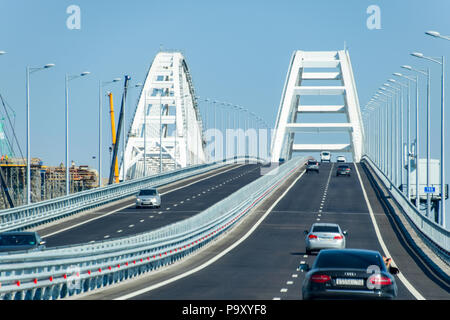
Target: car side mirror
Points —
{"points": [[304, 267], [345, 233], [394, 270], [305, 232]]}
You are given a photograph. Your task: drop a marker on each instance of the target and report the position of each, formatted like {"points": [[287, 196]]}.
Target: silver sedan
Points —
{"points": [[148, 197], [324, 236]]}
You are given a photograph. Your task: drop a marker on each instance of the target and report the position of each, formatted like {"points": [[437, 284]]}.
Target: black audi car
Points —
{"points": [[349, 274]]}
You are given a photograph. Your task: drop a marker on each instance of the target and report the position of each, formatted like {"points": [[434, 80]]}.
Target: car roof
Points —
{"points": [[148, 189], [325, 224], [13, 233]]}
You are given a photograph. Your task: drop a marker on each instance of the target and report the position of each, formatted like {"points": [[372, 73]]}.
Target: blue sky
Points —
{"points": [[237, 51]]}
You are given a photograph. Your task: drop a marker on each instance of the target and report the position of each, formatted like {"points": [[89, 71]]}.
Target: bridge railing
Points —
{"points": [[64, 271], [436, 236], [40, 212]]}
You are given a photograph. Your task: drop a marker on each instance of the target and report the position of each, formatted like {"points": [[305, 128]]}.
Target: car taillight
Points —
{"points": [[311, 236], [320, 278], [348, 169], [338, 238], [380, 280]]}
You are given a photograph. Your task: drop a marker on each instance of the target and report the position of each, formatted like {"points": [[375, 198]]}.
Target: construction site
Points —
{"points": [[47, 182]]}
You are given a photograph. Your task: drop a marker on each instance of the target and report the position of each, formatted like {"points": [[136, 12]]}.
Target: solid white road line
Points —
{"points": [[402, 278], [211, 261]]}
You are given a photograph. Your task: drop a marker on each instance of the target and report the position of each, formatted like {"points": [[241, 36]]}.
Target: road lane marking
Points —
{"points": [[217, 257], [400, 275], [131, 205], [284, 290]]}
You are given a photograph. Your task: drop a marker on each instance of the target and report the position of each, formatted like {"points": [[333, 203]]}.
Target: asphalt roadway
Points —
{"points": [[265, 265], [178, 202]]}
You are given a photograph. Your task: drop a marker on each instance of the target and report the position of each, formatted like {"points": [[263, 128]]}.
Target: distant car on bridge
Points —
{"points": [[341, 159], [349, 274], [148, 197], [343, 170], [325, 156], [312, 165], [18, 241]]}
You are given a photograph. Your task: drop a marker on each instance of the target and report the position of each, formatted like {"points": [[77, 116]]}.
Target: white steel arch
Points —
{"points": [[289, 118], [166, 132]]}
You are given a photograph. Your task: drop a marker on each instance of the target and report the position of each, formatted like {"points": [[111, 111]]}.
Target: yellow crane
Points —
{"points": [[113, 132]]}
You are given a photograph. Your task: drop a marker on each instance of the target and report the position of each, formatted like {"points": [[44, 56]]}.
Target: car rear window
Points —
{"points": [[312, 162], [149, 192], [325, 229], [348, 260], [17, 240], [343, 167]]}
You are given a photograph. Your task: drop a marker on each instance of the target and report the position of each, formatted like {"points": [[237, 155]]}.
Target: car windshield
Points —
{"points": [[348, 260], [325, 154], [17, 240], [148, 192], [325, 229]]}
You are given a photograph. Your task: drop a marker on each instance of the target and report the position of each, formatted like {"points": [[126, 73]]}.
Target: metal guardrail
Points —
{"points": [[435, 233], [40, 212], [65, 271]]}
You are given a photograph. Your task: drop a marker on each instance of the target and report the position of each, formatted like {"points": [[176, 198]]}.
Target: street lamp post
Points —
{"points": [[400, 153], [69, 78], [30, 70], [438, 35], [442, 165], [428, 146]]}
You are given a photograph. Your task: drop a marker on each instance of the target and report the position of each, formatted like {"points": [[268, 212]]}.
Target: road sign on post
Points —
{"points": [[429, 189]]}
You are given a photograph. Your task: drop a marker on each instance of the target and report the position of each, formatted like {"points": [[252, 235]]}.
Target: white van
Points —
{"points": [[325, 156]]}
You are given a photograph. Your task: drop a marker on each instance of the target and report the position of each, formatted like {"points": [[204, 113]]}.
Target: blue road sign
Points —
{"points": [[430, 189]]}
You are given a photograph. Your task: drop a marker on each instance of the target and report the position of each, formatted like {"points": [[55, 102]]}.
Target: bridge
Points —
{"points": [[240, 215]]}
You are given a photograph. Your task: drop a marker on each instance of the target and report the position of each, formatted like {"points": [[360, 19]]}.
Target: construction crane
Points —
{"points": [[113, 133], [119, 129]]}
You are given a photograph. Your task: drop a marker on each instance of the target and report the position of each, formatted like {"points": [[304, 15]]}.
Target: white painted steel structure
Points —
{"points": [[307, 65], [166, 131]]}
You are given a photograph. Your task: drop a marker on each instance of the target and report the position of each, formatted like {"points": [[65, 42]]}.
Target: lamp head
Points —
{"points": [[433, 33]]}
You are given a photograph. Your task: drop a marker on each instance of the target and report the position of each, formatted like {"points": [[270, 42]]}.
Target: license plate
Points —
{"points": [[349, 282]]}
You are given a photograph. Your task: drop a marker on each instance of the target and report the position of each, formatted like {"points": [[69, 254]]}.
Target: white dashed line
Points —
{"points": [[289, 282], [106, 237], [284, 290], [119, 231], [131, 226]]}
